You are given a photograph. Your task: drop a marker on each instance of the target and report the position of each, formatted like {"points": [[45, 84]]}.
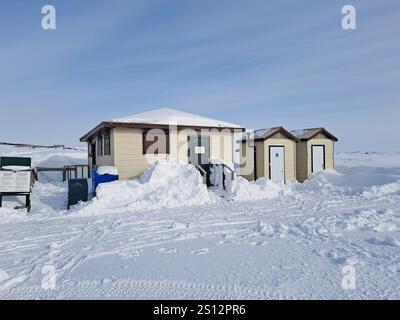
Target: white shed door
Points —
{"points": [[277, 163], [318, 158]]}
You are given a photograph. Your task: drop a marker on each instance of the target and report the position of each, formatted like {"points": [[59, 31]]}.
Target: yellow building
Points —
{"points": [[315, 151], [269, 153], [133, 143]]}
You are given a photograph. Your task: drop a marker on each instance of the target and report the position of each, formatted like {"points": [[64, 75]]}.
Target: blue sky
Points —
{"points": [[256, 63]]}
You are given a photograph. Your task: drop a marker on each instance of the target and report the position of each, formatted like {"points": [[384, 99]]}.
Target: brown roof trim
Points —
{"points": [[321, 130], [111, 125], [275, 131]]}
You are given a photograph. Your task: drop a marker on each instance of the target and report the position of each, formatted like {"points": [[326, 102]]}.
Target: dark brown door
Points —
{"points": [[93, 146]]}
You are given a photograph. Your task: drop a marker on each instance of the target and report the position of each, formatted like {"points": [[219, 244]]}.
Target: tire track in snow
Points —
{"points": [[128, 288]]}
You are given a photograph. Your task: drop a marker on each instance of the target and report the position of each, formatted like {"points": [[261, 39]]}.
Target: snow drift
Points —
{"points": [[241, 189], [166, 184], [351, 183]]}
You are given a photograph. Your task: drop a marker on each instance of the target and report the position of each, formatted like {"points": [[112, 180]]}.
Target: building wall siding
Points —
{"points": [[301, 161], [304, 155], [131, 162], [260, 159], [129, 157], [247, 161]]}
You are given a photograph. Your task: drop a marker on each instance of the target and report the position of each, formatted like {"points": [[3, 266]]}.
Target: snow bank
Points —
{"points": [[351, 183], [241, 189], [387, 189], [107, 170], [166, 184]]}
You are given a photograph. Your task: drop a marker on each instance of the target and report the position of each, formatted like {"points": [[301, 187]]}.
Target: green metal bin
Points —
{"points": [[77, 191]]}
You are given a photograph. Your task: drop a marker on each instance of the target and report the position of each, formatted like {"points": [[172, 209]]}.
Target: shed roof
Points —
{"points": [[264, 134], [307, 134]]}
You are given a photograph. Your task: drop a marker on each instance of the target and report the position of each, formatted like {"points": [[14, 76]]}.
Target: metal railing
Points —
{"points": [[74, 170], [203, 172], [224, 175], [68, 171]]}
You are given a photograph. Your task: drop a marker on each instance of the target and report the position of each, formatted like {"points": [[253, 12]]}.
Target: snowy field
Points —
{"points": [[149, 239]]}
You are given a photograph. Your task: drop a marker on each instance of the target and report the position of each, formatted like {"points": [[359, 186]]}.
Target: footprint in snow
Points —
{"points": [[388, 241], [200, 251], [258, 243], [166, 250], [131, 254], [179, 226]]}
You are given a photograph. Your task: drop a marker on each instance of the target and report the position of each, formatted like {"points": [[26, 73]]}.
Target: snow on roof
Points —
{"points": [[167, 116], [263, 132], [306, 134], [260, 133]]}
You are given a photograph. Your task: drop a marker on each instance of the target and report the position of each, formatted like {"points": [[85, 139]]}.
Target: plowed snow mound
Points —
{"points": [[351, 183], [165, 184], [244, 190]]}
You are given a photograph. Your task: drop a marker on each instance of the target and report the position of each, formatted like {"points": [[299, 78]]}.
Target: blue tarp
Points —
{"points": [[97, 179]]}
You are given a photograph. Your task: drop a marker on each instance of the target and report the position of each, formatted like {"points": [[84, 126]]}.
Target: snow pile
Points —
{"points": [[351, 183], [241, 189], [383, 190], [8, 215], [107, 170], [335, 224], [166, 184]]}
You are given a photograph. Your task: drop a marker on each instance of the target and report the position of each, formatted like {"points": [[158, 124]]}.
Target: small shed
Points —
{"points": [[315, 151], [269, 153], [133, 143]]}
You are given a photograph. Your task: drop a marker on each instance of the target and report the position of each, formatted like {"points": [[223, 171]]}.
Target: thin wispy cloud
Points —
{"points": [[256, 63]]}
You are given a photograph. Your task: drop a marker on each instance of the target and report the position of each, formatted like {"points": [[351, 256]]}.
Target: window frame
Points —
{"points": [[146, 143], [107, 144], [99, 145]]}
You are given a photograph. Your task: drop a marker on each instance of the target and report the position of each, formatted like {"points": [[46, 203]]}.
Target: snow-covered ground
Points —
{"points": [[335, 236]]}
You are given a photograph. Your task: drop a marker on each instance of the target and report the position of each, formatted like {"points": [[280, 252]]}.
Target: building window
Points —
{"points": [[155, 141], [100, 145], [89, 146], [107, 143]]}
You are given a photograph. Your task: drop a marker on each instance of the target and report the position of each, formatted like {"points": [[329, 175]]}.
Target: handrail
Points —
{"points": [[68, 169], [223, 165], [203, 172], [230, 169]]}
